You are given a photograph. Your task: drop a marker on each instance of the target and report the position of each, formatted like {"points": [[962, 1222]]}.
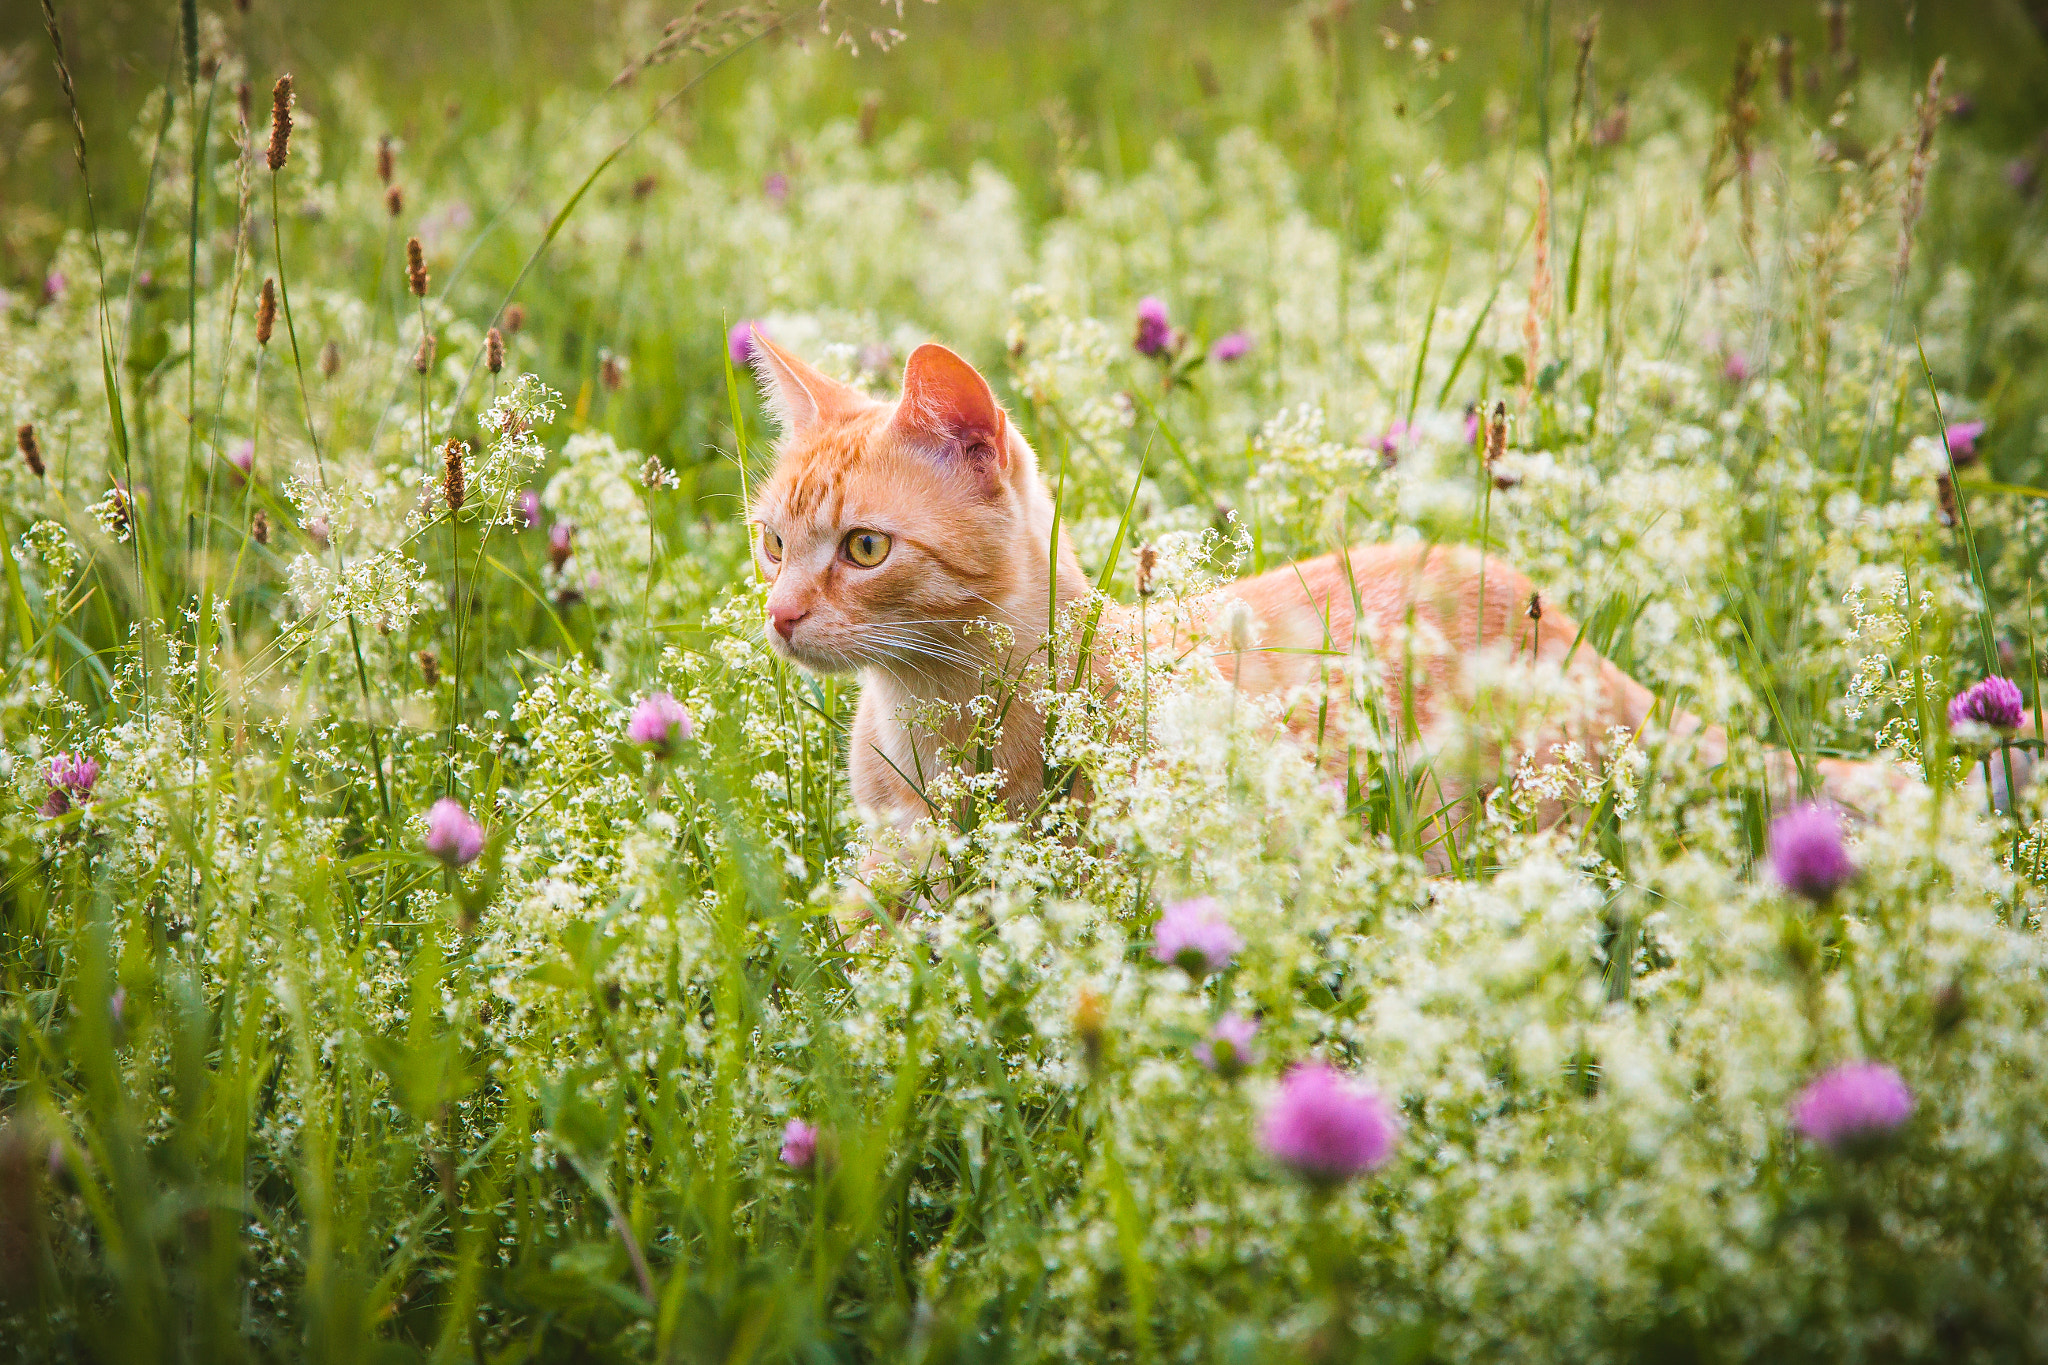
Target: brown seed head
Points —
{"points": [[242, 95], [494, 350], [330, 359], [611, 372], [423, 358], [1497, 434], [870, 115], [1148, 560], [1945, 498], [644, 186], [394, 200], [415, 268], [385, 158], [515, 318], [280, 122], [266, 311], [1535, 611], [259, 527], [430, 667], [31, 452], [451, 473]]}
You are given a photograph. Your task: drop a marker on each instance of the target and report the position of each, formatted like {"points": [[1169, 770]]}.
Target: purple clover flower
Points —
{"points": [[73, 774], [1807, 852], [242, 458], [1852, 1106], [775, 186], [658, 721], [1194, 936], [1737, 369], [1228, 1049], [799, 1145], [1961, 440], [739, 342], [1155, 328], [1995, 703], [529, 508], [1327, 1128], [453, 835], [1230, 346]]}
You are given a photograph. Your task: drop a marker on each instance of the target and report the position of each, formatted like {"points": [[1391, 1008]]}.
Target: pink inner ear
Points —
{"points": [[946, 402]]}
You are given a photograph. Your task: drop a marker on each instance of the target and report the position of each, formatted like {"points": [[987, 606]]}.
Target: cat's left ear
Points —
{"points": [[946, 403]]}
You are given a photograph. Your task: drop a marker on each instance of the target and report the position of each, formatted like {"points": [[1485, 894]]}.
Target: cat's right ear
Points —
{"points": [[799, 397]]}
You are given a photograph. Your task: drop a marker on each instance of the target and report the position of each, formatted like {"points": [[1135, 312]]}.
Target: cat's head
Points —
{"points": [[887, 527]]}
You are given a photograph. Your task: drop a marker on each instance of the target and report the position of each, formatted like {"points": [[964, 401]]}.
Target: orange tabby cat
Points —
{"points": [[891, 532]]}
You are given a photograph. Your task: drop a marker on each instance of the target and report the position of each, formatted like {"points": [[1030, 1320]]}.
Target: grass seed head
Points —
{"points": [[330, 359], [452, 488], [494, 350], [394, 200], [415, 268], [514, 318], [259, 527], [385, 159], [31, 451], [423, 358], [266, 311], [280, 123]]}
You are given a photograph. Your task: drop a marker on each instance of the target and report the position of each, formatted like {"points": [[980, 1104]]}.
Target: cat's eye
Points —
{"points": [[771, 545], [866, 548]]}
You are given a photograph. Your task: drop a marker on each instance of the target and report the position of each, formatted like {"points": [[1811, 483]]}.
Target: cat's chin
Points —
{"points": [[809, 660]]}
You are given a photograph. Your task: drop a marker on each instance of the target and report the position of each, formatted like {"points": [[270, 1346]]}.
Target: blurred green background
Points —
{"points": [[1007, 83]]}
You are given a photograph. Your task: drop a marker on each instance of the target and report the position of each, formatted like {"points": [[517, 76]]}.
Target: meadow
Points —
{"points": [[433, 925]]}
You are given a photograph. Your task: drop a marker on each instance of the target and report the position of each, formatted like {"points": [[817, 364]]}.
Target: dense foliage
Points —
{"points": [[290, 557]]}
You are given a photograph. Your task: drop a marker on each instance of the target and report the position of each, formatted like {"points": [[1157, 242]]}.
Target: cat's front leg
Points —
{"points": [[898, 868]]}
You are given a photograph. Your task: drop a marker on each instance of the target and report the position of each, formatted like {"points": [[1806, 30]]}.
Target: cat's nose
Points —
{"points": [[785, 620]]}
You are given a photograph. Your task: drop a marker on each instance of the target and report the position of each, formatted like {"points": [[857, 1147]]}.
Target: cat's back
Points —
{"points": [[1383, 590], [1433, 604]]}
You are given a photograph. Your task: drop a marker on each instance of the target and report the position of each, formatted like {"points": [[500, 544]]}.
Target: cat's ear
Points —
{"points": [[947, 404], [799, 397]]}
